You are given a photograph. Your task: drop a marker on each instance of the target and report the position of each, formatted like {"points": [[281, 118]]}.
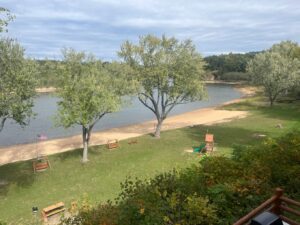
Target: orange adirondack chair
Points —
{"points": [[209, 140]]}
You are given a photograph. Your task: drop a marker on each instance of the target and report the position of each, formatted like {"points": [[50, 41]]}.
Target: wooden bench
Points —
{"points": [[112, 144], [40, 164], [134, 141], [52, 210]]}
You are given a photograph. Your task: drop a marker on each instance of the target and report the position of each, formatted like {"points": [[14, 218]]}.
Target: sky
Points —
{"points": [[44, 27]]}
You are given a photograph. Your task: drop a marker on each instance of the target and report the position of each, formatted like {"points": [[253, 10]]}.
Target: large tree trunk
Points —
{"points": [[158, 128], [85, 152], [271, 99], [85, 139]]}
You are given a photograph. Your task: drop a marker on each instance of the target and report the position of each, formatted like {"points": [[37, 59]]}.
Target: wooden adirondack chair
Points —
{"points": [[209, 140]]}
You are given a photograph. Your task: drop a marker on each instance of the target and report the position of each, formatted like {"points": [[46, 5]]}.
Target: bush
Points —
{"points": [[281, 158], [104, 214], [217, 191]]}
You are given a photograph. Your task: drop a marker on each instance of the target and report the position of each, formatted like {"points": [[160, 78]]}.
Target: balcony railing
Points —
{"points": [[279, 205]]}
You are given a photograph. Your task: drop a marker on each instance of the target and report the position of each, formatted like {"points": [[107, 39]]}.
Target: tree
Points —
{"points": [[295, 53], [89, 90], [223, 65], [291, 50], [5, 18], [277, 70], [47, 73], [169, 73], [17, 83], [287, 49]]}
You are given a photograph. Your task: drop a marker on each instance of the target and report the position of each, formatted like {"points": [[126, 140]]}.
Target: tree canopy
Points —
{"points": [[277, 69], [17, 83], [47, 73], [5, 18], [169, 72], [89, 90]]}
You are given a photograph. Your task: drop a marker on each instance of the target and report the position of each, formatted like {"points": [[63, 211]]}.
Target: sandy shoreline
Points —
{"points": [[53, 89], [202, 116], [45, 90]]}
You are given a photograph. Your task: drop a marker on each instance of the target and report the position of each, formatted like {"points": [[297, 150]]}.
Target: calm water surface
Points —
{"points": [[46, 107]]}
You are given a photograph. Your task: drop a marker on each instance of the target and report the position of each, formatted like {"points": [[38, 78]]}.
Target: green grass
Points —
{"points": [[100, 178]]}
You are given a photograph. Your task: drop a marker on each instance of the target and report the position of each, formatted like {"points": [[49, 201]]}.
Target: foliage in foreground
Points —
{"points": [[217, 191]]}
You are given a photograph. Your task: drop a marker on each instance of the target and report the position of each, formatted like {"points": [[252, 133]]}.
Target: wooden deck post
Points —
{"points": [[276, 208]]}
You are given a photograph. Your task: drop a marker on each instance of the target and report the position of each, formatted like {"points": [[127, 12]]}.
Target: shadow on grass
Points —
{"points": [[223, 137], [289, 112], [283, 111], [247, 104], [76, 153], [20, 173]]}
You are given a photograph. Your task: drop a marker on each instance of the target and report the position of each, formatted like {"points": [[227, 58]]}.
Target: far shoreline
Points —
{"points": [[45, 90], [53, 89]]}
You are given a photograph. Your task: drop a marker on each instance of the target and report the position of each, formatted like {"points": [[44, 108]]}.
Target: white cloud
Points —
{"points": [[100, 26]]}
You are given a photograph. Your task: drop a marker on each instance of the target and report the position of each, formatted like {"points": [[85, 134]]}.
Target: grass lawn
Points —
{"points": [[100, 178]]}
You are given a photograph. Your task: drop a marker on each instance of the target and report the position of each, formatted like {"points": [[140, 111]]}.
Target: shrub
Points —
{"points": [[281, 158], [217, 191], [103, 214]]}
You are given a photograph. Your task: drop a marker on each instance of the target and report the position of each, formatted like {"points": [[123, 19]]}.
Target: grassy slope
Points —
{"points": [[68, 180]]}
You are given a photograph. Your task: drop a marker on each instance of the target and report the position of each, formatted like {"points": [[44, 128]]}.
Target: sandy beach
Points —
{"points": [[45, 90], [53, 89], [202, 116]]}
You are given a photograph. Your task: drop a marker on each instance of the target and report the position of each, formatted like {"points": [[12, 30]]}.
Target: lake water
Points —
{"points": [[46, 107]]}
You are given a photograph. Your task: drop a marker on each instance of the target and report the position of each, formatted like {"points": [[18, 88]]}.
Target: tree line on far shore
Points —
{"points": [[230, 67], [161, 71], [224, 67]]}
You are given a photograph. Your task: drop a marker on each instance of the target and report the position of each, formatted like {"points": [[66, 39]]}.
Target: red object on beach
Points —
{"points": [[42, 137]]}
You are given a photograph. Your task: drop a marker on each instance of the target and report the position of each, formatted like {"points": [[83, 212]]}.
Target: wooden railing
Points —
{"points": [[277, 204]]}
